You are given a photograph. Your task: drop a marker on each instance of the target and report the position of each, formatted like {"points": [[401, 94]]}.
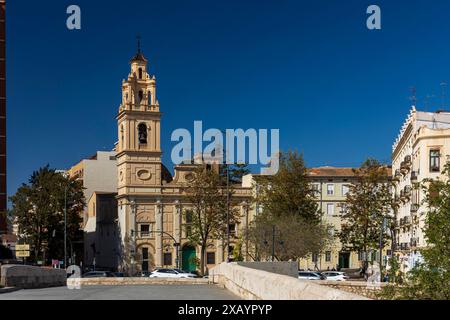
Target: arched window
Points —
{"points": [[121, 135], [140, 73], [141, 96], [149, 97], [142, 133]]}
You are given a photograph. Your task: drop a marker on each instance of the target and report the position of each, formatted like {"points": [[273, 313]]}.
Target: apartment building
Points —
{"points": [[97, 173], [419, 152]]}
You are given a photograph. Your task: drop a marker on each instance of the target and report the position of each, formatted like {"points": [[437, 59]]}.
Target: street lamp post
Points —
{"points": [[65, 227], [281, 242], [228, 213], [381, 248], [133, 236]]}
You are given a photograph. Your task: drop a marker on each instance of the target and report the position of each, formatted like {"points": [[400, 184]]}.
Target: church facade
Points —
{"points": [[152, 227]]}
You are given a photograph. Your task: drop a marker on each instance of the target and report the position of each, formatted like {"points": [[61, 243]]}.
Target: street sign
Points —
{"points": [[22, 247], [22, 254]]}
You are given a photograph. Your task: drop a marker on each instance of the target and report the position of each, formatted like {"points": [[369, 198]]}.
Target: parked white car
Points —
{"points": [[335, 275], [171, 273], [309, 275]]}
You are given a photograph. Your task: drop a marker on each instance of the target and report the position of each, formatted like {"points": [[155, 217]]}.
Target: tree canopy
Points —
{"points": [[39, 211]]}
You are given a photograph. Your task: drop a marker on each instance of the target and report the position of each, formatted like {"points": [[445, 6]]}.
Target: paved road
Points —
{"points": [[147, 292]]}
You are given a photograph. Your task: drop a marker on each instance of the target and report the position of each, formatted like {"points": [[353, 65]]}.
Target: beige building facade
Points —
{"points": [[151, 202], [420, 152], [97, 174], [331, 185]]}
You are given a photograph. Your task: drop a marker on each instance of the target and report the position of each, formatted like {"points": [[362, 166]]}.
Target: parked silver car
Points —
{"points": [[310, 275]]}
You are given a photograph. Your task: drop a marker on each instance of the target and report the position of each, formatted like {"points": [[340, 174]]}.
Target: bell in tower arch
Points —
{"points": [[142, 133]]}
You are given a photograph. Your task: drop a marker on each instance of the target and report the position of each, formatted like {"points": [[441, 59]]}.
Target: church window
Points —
{"points": [[140, 73], [149, 96], [141, 96], [142, 133]]}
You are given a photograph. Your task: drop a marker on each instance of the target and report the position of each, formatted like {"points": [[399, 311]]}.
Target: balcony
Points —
{"points": [[407, 192], [407, 161], [405, 221], [397, 175], [404, 246], [414, 242], [414, 207], [403, 167]]}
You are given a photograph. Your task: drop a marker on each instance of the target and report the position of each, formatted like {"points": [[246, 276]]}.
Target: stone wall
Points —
{"points": [[28, 277], [255, 284], [357, 287], [286, 268], [117, 281]]}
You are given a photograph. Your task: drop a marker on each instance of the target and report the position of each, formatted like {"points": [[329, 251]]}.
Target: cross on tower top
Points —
{"points": [[138, 37]]}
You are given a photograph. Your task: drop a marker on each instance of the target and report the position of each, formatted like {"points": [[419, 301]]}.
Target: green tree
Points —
{"points": [[236, 172], [369, 202], [39, 210], [208, 214], [289, 214], [430, 279], [289, 192]]}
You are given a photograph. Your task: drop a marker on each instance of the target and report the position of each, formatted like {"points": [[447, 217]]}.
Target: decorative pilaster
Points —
{"points": [[158, 234]]}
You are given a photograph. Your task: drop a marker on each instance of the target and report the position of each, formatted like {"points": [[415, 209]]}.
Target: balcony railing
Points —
{"points": [[403, 166], [407, 161], [397, 175], [414, 242], [404, 246], [407, 191], [405, 221]]}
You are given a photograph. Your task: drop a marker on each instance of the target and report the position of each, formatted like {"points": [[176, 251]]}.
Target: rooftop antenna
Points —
{"points": [[413, 97], [443, 94], [427, 100]]}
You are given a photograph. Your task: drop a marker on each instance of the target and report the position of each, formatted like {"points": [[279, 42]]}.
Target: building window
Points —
{"points": [[360, 256], [327, 256], [167, 258], [210, 258], [435, 161], [144, 259], [330, 209], [330, 189], [142, 133], [315, 257], [145, 230], [188, 231], [315, 187], [140, 73], [188, 216], [345, 190], [149, 97], [232, 229]]}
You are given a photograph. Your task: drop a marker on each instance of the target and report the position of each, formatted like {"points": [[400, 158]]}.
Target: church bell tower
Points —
{"points": [[138, 147]]}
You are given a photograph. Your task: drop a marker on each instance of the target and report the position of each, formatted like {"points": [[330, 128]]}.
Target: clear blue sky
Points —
{"points": [[337, 91]]}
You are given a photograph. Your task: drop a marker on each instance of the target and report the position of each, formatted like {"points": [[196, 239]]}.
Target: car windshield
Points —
{"points": [[180, 271]]}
